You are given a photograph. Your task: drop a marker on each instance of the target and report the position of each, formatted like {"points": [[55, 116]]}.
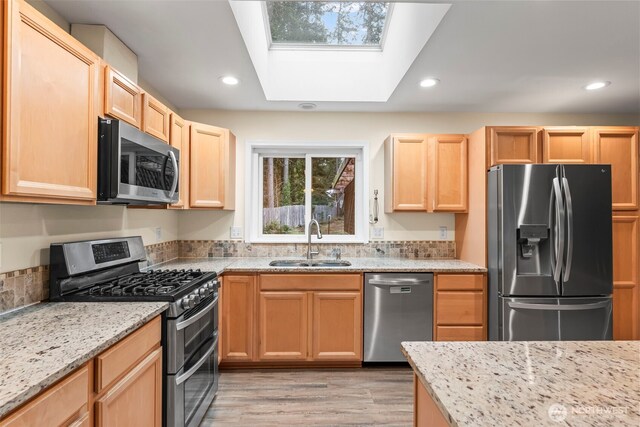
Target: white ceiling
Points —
{"points": [[502, 56]]}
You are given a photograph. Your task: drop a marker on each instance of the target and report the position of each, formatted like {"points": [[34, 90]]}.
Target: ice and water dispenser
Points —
{"points": [[534, 249]]}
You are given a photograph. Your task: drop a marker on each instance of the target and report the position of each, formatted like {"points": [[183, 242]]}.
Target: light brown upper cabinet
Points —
{"points": [[566, 145], [179, 138], [405, 173], [50, 114], [212, 152], [513, 145], [448, 173], [155, 117], [426, 173], [122, 98], [618, 146]]}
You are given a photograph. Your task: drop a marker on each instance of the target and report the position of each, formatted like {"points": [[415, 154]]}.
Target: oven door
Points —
{"points": [[192, 389], [185, 334], [135, 167]]}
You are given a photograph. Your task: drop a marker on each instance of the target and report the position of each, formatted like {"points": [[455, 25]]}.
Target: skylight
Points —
{"points": [[327, 24]]}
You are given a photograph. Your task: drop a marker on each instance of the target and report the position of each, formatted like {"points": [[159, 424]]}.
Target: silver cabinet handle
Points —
{"points": [[182, 378], [174, 185], [399, 282], [180, 326], [559, 307], [567, 196]]}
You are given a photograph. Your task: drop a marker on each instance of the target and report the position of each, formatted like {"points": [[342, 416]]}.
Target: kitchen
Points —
{"points": [[416, 180]]}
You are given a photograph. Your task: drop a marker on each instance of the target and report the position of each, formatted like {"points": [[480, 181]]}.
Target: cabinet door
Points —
{"points": [[337, 326], [566, 145], [406, 183], [238, 311], [625, 277], [155, 117], [448, 173], [179, 138], [49, 153], [207, 160], [514, 145], [618, 146], [122, 98], [283, 325], [136, 400]]}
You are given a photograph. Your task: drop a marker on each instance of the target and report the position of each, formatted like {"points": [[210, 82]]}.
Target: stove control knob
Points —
{"points": [[185, 303], [195, 298], [203, 291]]}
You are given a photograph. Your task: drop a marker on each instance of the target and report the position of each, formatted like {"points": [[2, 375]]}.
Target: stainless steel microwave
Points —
{"points": [[134, 167]]}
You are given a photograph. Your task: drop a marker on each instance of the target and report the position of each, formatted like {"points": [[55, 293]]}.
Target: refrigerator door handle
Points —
{"points": [[556, 198], [567, 195], [559, 307]]}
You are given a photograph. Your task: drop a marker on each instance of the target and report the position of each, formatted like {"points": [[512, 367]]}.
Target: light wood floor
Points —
{"points": [[328, 397]]}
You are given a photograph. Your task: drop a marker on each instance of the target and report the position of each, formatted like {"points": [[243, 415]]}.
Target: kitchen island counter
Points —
{"points": [[542, 383], [41, 344]]}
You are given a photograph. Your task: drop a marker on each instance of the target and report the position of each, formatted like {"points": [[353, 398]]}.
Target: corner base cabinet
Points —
{"points": [[122, 386]]}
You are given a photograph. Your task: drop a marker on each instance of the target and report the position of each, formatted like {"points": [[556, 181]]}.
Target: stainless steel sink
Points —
{"points": [[305, 263], [289, 263]]}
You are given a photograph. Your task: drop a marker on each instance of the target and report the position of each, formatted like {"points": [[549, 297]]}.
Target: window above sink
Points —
{"points": [[292, 183]]}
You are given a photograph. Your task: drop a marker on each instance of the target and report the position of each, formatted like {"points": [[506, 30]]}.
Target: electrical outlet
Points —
{"points": [[158, 234], [236, 232], [377, 232], [443, 232]]}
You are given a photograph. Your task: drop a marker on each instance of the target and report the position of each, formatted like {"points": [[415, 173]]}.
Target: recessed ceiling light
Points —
{"points": [[229, 80], [597, 85], [430, 82], [307, 106]]}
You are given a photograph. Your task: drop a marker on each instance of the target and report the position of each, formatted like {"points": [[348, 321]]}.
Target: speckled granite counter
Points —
{"points": [[587, 383], [221, 265], [41, 344]]}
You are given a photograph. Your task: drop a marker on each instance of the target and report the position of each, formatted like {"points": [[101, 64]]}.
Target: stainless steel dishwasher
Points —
{"points": [[397, 307]]}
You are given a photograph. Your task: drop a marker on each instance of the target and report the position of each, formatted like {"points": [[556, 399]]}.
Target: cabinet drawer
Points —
{"points": [[121, 357], [459, 282], [459, 308], [460, 333], [56, 405], [310, 282]]}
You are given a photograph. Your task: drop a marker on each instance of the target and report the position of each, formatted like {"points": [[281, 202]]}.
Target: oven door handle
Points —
{"points": [[180, 326], [176, 172], [182, 378]]}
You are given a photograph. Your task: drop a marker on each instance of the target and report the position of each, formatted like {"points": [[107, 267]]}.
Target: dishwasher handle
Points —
{"points": [[399, 282]]}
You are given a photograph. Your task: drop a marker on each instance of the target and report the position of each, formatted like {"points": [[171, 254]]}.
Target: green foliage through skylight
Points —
{"points": [[327, 23]]}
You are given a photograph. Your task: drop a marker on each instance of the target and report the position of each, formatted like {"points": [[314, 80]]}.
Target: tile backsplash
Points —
{"points": [[435, 249]]}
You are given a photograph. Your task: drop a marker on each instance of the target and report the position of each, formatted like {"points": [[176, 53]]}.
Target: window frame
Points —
{"points": [[256, 150]]}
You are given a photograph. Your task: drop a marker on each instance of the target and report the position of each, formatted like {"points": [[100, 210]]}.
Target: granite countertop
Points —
{"points": [[542, 383], [358, 265], [41, 344]]}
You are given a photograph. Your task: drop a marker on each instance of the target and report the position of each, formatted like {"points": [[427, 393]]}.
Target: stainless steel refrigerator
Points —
{"points": [[550, 254]]}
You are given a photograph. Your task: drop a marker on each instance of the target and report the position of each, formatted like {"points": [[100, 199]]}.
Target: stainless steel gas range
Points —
{"points": [[109, 270]]}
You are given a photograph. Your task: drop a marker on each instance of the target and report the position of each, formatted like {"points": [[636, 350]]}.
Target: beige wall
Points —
{"points": [[27, 230], [370, 127], [47, 11]]}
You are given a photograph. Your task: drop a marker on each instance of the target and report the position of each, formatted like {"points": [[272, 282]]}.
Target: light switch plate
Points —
{"points": [[443, 232], [158, 234], [377, 232], [236, 232]]}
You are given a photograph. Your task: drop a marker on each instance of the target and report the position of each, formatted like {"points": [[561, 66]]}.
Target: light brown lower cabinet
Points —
{"points": [[133, 397], [626, 276], [425, 411], [460, 307], [291, 318]]}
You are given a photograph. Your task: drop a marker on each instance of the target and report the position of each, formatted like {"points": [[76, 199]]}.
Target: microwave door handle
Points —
{"points": [[174, 185]]}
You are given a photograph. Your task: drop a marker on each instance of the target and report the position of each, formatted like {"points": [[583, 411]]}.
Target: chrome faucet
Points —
{"points": [[310, 253]]}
